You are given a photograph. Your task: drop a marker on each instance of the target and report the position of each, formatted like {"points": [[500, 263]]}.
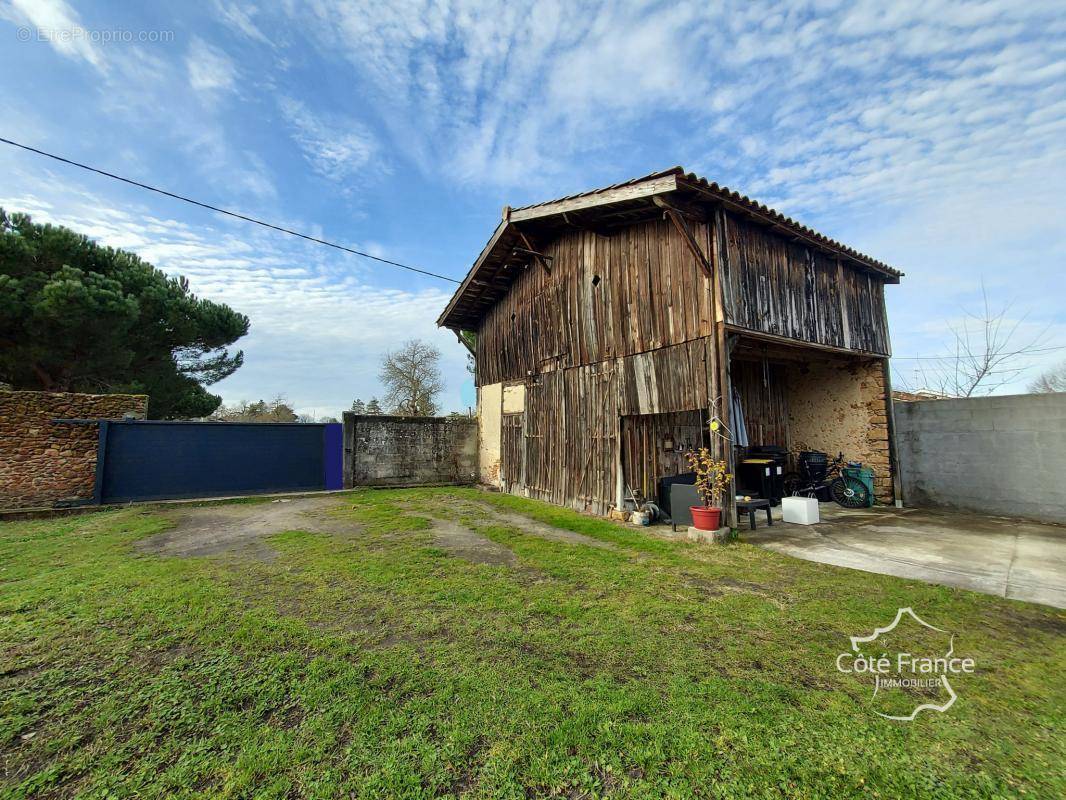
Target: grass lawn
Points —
{"points": [[379, 662]]}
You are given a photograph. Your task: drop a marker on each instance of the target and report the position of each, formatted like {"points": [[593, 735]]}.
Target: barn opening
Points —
{"points": [[792, 398]]}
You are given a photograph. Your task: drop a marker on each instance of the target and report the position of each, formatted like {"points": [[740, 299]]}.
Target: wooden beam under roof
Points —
{"points": [[648, 188], [693, 211], [579, 225], [677, 218], [534, 250], [748, 333]]}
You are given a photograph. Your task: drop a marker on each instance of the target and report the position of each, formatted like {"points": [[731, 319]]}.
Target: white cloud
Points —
{"points": [[930, 133], [319, 323], [901, 128], [241, 18], [210, 70], [513, 94], [55, 22], [336, 149]]}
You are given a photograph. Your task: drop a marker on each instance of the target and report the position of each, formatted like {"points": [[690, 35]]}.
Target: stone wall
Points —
{"points": [[998, 455], [409, 451], [839, 406], [43, 463]]}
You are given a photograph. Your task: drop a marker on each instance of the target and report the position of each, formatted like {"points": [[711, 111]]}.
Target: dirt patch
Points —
{"points": [[702, 586], [212, 530], [469, 545], [720, 586], [545, 531], [531, 526], [1034, 620]]}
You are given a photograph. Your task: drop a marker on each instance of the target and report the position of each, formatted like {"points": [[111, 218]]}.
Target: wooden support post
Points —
{"points": [[620, 480], [727, 417], [893, 450], [677, 219], [723, 346]]}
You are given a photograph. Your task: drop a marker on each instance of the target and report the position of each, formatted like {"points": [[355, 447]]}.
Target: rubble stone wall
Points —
{"points": [[43, 462]]}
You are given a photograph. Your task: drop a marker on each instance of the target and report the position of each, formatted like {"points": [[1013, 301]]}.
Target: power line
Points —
{"points": [[316, 240], [227, 212], [955, 357]]}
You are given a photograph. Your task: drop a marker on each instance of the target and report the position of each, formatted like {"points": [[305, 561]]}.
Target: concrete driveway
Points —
{"points": [[1006, 557]]}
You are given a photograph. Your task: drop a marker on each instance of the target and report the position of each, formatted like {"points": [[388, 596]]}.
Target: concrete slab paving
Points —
{"points": [[996, 555]]}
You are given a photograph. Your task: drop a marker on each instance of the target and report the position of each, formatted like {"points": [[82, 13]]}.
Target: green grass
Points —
{"points": [[380, 665]]}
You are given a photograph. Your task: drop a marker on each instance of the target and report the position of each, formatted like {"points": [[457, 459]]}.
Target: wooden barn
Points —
{"points": [[611, 326]]}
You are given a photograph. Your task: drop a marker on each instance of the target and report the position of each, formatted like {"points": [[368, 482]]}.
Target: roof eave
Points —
{"points": [[442, 320], [660, 183], [649, 186]]}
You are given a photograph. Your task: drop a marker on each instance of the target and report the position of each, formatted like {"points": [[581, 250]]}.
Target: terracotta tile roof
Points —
{"points": [[752, 205], [459, 313]]}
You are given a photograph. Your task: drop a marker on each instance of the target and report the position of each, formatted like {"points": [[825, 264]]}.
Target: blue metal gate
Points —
{"points": [[157, 460]]}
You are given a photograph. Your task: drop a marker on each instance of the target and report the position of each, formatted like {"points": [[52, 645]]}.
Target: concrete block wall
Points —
{"points": [[43, 463], [409, 451], [997, 455]]}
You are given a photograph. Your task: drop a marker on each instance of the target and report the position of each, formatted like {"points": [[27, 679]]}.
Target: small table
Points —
{"points": [[748, 507]]}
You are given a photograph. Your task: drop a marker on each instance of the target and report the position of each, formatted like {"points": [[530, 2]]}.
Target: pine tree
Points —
{"points": [[358, 406], [76, 316], [373, 407]]}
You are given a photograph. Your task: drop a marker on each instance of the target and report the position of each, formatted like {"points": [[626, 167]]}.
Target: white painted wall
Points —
{"points": [[490, 423], [514, 398]]}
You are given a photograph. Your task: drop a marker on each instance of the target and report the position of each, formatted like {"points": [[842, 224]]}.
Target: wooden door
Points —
{"points": [[512, 452]]}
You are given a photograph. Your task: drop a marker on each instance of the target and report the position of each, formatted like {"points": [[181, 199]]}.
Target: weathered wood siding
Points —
{"points": [[512, 447], [763, 390], [638, 290], [644, 458], [772, 285], [572, 418], [571, 429], [641, 289]]}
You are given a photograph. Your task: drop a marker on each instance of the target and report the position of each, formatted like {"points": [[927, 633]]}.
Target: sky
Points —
{"points": [[930, 135]]}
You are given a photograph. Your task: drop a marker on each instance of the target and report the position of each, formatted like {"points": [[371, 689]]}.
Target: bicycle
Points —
{"points": [[845, 490]]}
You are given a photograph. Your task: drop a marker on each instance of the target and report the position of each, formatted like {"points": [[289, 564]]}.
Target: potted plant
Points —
{"points": [[712, 480]]}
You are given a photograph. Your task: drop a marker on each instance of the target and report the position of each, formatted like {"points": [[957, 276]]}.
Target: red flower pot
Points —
{"points": [[706, 519]]}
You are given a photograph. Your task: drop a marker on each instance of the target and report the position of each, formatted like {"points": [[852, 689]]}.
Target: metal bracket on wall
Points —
{"points": [[544, 259], [531, 250]]}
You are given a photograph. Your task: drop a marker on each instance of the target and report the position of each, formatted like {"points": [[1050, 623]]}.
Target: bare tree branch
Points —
{"points": [[1054, 380], [412, 379], [986, 353]]}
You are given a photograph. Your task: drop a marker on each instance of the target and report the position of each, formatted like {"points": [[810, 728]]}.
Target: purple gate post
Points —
{"points": [[333, 456]]}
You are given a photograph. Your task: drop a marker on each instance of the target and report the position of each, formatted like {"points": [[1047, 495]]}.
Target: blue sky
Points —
{"points": [[929, 134]]}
